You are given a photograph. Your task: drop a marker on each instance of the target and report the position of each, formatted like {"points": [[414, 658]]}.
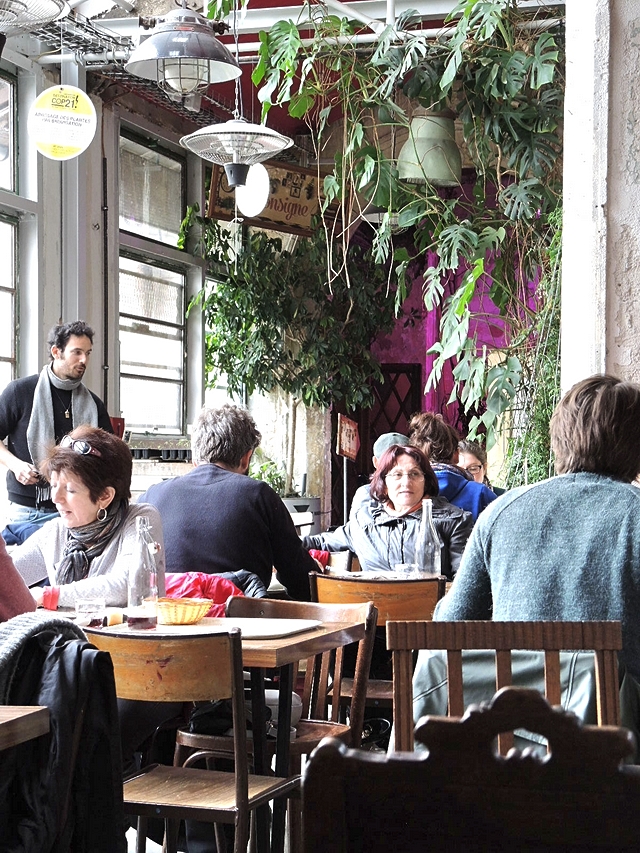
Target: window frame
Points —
{"points": [[180, 269], [12, 359], [146, 250], [166, 151]]}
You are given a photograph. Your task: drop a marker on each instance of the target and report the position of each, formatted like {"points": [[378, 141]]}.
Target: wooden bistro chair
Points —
{"points": [[395, 599], [322, 670], [185, 669], [403, 638], [462, 796]]}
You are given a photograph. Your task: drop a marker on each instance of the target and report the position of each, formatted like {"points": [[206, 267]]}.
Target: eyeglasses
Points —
{"points": [[396, 476], [80, 446], [473, 469]]}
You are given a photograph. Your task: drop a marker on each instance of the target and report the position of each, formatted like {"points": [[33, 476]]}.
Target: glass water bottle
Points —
{"points": [[427, 550], [142, 604]]}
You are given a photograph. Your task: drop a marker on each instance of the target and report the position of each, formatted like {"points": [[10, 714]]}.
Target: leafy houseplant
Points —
{"points": [[274, 321], [500, 69], [263, 468]]}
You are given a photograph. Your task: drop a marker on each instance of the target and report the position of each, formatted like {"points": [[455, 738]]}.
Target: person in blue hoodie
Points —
{"points": [[439, 441]]}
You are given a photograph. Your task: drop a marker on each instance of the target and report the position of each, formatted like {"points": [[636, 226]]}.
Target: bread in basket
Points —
{"points": [[182, 611]]}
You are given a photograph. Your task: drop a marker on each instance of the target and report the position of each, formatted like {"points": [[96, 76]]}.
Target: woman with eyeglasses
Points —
{"points": [[87, 551], [382, 531], [473, 460]]}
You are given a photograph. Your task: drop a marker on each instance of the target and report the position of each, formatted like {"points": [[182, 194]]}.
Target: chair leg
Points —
{"points": [[242, 834], [294, 817], [141, 835], [221, 841], [294, 809], [253, 839], [171, 832]]}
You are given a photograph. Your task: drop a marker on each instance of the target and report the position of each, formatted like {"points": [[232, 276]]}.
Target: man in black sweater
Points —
{"points": [[215, 519], [36, 412]]}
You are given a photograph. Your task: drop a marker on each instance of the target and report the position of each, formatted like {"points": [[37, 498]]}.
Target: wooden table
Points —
{"points": [[19, 723], [258, 655]]}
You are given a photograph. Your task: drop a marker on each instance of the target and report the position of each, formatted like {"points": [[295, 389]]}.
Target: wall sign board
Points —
{"points": [[292, 203]]}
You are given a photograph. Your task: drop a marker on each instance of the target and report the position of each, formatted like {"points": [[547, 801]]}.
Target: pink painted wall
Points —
{"points": [[409, 341]]}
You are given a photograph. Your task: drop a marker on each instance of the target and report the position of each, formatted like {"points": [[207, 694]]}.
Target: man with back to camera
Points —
{"points": [[216, 519], [566, 548], [36, 412]]}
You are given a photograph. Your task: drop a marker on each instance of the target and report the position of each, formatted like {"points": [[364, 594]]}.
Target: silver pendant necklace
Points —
{"points": [[67, 412]]}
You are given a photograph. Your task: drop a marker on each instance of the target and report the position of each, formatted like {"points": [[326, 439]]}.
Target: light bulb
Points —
{"points": [[252, 198], [185, 75]]}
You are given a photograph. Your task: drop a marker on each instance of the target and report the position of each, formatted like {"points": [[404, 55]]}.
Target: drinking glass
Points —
{"points": [[90, 612]]}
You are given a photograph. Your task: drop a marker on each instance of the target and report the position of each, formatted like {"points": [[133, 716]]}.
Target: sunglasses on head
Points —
{"points": [[79, 445]]}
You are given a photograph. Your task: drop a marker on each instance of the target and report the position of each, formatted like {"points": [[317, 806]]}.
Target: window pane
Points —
{"points": [[151, 203], [151, 292], [7, 303], [151, 406], [6, 324], [151, 347], [6, 374], [7, 125]]}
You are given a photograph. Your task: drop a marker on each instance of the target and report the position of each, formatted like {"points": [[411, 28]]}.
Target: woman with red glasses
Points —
{"points": [[87, 552]]}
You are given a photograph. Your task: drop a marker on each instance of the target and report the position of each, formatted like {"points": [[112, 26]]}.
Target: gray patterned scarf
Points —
{"points": [[85, 543], [40, 432]]}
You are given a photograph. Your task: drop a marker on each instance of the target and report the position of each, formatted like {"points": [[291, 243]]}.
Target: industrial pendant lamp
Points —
{"points": [[183, 55], [431, 153], [236, 144]]}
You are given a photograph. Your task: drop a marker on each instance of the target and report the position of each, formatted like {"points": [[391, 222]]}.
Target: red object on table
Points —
{"points": [[201, 585]]}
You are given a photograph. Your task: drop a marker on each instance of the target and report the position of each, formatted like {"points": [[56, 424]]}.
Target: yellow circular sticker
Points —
{"points": [[62, 122]]}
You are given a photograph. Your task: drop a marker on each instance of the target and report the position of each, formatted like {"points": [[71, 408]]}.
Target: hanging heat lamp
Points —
{"points": [[236, 144]]}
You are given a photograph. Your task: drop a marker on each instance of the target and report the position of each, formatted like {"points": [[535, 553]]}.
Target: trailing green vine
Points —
{"points": [[501, 70]]}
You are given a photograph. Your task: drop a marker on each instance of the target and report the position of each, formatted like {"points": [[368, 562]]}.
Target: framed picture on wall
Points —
{"points": [[293, 199]]}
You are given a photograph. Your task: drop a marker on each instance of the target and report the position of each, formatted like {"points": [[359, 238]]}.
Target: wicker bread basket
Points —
{"points": [[182, 611]]}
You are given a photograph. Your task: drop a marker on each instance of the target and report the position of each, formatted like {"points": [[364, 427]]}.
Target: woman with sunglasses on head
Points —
{"points": [[87, 551], [383, 531]]}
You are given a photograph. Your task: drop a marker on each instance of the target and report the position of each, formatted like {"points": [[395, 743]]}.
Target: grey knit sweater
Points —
{"points": [[564, 549]]}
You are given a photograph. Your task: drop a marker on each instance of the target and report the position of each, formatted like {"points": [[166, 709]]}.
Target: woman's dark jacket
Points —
{"points": [[62, 792]]}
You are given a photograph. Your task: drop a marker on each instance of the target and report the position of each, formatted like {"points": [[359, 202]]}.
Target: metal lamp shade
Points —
{"points": [[18, 16], [236, 141], [183, 55], [431, 154]]}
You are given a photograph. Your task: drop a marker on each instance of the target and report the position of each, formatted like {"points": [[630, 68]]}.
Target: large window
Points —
{"points": [[7, 134], [8, 233], [152, 310], [7, 303], [152, 289], [151, 192]]}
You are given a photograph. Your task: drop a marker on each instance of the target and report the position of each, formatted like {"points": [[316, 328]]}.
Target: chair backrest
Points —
{"points": [[415, 598], [462, 796], [324, 670], [403, 638], [195, 668], [170, 668]]}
